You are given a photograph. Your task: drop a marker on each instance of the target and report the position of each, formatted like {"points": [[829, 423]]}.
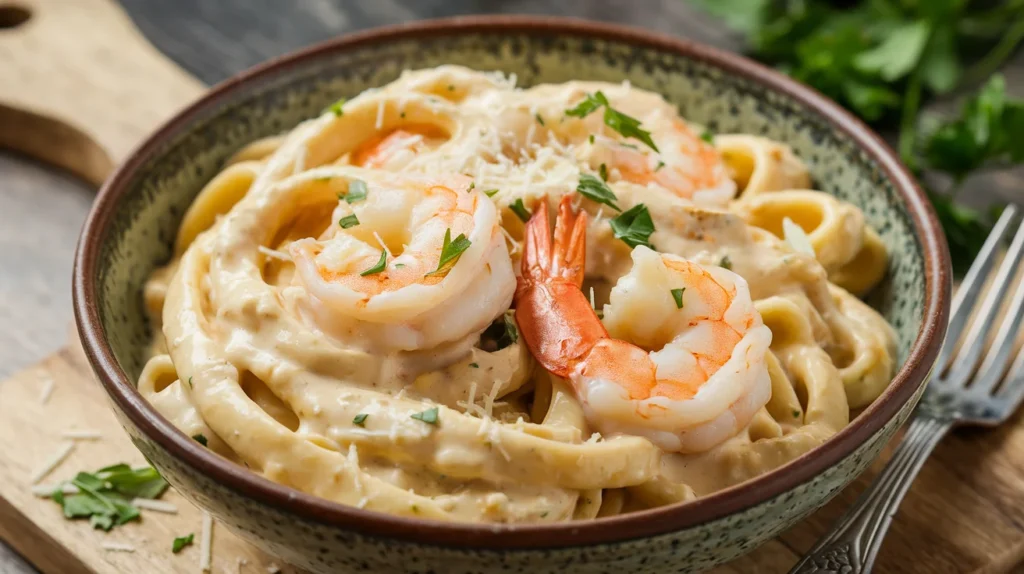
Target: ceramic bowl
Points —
{"points": [[132, 224]]}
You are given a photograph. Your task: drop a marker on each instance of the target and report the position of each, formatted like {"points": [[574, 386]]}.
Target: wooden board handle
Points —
{"points": [[80, 85]]}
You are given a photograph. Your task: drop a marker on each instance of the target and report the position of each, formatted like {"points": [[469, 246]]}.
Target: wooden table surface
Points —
{"points": [[41, 211]]}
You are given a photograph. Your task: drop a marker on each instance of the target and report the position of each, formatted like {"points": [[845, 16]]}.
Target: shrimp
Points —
{"points": [[685, 164], [685, 369], [419, 262]]}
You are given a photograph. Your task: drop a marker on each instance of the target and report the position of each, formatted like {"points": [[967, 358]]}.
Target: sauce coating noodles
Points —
{"points": [[346, 312]]}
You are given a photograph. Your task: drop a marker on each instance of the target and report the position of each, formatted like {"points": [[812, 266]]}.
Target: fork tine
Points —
{"points": [[1012, 390], [974, 343], [968, 292], [1001, 352]]}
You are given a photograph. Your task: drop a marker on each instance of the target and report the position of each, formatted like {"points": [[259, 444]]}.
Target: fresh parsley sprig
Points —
{"points": [[884, 59]]}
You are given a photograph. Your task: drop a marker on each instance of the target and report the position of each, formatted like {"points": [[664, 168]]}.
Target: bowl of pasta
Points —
{"points": [[507, 294]]}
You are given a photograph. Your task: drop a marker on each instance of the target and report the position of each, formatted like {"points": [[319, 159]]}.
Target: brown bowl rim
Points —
{"points": [[619, 528]]}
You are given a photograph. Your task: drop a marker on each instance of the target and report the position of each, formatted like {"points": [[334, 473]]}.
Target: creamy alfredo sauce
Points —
{"points": [[408, 389]]}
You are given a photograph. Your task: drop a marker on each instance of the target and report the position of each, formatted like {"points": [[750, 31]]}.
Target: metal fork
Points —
{"points": [[852, 544]]}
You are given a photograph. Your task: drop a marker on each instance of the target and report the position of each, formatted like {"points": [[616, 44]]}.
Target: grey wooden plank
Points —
{"points": [[41, 212], [216, 39]]}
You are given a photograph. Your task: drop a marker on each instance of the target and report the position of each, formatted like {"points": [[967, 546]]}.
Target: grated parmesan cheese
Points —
{"points": [[45, 490], [273, 569], [117, 547], [274, 253], [514, 245], [353, 459], [380, 115], [48, 387], [155, 505], [206, 543], [382, 246], [81, 435], [54, 461]]}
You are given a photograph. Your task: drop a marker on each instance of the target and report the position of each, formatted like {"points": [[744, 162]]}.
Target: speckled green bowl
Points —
{"points": [[131, 226]]}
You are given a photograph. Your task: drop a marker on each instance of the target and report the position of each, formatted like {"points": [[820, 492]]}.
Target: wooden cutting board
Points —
{"points": [[79, 86]]}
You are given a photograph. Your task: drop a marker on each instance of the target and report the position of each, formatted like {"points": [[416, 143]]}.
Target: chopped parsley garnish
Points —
{"points": [[603, 171], [796, 414], [588, 105], [633, 226], [474, 365], [105, 496], [399, 265], [511, 331], [725, 263], [356, 191], [360, 419], [182, 541], [472, 185], [540, 120], [660, 165], [335, 108], [627, 126], [707, 136], [501, 333], [190, 382], [402, 115], [520, 210], [348, 221], [450, 252], [381, 264], [591, 139], [200, 438], [428, 416], [491, 192], [677, 294], [451, 87], [594, 189]]}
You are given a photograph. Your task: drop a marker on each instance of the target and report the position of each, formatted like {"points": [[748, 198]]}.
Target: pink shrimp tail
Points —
{"points": [[555, 318]]}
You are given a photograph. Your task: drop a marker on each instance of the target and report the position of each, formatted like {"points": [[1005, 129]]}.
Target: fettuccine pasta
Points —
{"points": [[372, 309]]}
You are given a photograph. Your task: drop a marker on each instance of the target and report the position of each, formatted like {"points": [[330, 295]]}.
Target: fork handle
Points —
{"points": [[852, 544]]}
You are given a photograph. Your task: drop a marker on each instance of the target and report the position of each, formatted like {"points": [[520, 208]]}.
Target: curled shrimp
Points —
{"points": [[685, 369], [384, 273], [684, 164]]}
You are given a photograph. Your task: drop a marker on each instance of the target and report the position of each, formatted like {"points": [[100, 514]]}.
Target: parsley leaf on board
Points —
{"points": [[105, 495], [182, 541]]}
